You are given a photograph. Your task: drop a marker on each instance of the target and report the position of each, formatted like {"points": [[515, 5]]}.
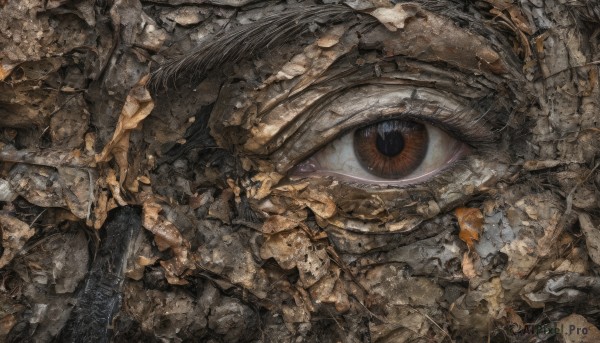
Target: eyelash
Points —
{"points": [[455, 124]]}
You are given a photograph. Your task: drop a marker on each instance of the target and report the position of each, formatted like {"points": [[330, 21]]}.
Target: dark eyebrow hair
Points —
{"points": [[247, 41]]}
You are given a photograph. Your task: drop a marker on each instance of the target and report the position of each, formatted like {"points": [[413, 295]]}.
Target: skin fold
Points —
{"points": [[194, 121]]}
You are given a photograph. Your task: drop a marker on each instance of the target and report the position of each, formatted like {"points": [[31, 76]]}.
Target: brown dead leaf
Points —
{"points": [[277, 223], [592, 81], [144, 179], [303, 69], [470, 221], [519, 19], [5, 70], [101, 208], [15, 234], [514, 11], [139, 264], [266, 181], [515, 321], [115, 187], [166, 235], [198, 200], [137, 107], [330, 289], [319, 202], [294, 314], [468, 265], [516, 21], [78, 185], [293, 248]]}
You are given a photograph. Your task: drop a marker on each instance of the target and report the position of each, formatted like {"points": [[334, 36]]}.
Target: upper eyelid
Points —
{"points": [[324, 91]]}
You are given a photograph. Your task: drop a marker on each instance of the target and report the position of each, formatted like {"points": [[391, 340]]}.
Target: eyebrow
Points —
{"points": [[248, 40]]}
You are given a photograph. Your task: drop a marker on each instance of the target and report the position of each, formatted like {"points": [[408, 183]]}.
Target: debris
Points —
{"points": [[470, 221], [15, 234], [6, 193], [167, 236], [538, 165], [592, 236], [137, 107], [394, 18]]}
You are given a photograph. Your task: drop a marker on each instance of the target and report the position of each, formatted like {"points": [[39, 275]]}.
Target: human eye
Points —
{"points": [[389, 136], [394, 151]]}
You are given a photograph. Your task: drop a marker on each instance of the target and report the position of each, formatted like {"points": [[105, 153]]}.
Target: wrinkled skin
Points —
{"points": [[236, 246]]}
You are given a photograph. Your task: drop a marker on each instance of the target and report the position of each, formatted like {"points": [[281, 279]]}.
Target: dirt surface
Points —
{"points": [[163, 179]]}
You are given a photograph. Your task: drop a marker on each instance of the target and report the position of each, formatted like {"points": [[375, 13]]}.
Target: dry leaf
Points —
{"points": [[267, 181], [64, 187], [331, 37], [331, 290], [115, 187], [395, 18], [592, 236], [514, 320], [5, 70], [293, 248], [78, 190], [138, 106], [519, 19], [470, 221], [101, 208], [468, 266], [166, 235], [144, 179], [319, 202], [277, 223], [15, 234]]}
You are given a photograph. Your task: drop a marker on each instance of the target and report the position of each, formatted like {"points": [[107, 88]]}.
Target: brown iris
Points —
{"points": [[391, 149]]}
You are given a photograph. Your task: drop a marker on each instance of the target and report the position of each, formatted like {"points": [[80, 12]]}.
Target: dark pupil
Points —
{"points": [[389, 140]]}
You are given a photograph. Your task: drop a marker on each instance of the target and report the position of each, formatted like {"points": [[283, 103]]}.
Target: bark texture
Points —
{"points": [[191, 119]]}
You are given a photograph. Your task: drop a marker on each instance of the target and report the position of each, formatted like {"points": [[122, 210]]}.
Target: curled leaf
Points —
{"points": [[137, 107], [166, 235], [470, 221]]}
